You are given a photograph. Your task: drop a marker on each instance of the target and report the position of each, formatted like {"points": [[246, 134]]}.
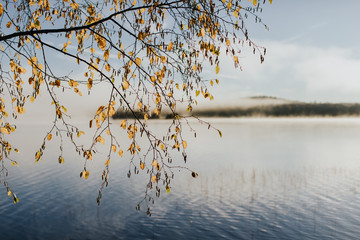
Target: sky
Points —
{"points": [[312, 54]]}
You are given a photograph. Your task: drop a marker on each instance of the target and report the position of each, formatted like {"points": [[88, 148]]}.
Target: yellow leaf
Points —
{"points": [[236, 14], [236, 59], [86, 174], [228, 42], [134, 2], [154, 163], [197, 92], [194, 174], [113, 148], [167, 189], [138, 61], [100, 109], [255, 2], [142, 165], [184, 143], [32, 99], [5, 130], [61, 160], [100, 139], [157, 111], [229, 5], [125, 85], [123, 124], [15, 199], [107, 162], [139, 105], [106, 55], [163, 59], [9, 193], [217, 69], [220, 133], [211, 82], [269, 1], [202, 32], [194, 68], [1, 9], [107, 67], [184, 86], [49, 136], [170, 46], [162, 146], [121, 153], [153, 178]]}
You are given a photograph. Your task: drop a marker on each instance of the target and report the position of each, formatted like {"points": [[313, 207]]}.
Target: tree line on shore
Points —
{"points": [[282, 110]]}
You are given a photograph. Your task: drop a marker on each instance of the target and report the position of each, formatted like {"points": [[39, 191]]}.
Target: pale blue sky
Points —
{"points": [[312, 54]]}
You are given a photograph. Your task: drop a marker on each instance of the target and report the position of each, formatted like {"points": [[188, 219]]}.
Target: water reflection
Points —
{"points": [[266, 179]]}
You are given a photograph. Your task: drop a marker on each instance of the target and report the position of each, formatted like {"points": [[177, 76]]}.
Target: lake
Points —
{"points": [[290, 178]]}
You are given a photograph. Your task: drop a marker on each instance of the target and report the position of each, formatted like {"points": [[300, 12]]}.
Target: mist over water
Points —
{"points": [[265, 179]]}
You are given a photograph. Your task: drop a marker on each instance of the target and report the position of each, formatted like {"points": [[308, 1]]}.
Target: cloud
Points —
{"points": [[294, 71]]}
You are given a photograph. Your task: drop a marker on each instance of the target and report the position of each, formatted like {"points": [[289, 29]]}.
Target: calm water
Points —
{"points": [[265, 179]]}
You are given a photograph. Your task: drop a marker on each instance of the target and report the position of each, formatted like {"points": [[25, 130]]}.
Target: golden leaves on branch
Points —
{"points": [[157, 111], [138, 61], [1, 9], [113, 148], [88, 154], [107, 162], [15, 199], [111, 111], [38, 155], [217, 69], [5, 130], [49, 136], [121, 153], [125, 84], [101, 42], [202, 32], [100, 139], [89, 83], [184, 143], [170, 46], [84, 174], [61, 160], [106, 54], [123, 124]]}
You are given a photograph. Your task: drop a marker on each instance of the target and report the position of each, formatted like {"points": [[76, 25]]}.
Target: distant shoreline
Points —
{"points": [[287, 110], [281, 110]]}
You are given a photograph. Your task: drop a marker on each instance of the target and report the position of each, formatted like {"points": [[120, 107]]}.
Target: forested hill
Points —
{"points": [[264, 106], [286, 110]]}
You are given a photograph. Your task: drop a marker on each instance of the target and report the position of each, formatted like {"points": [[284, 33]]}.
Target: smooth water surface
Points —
{"points": [[265, 179]]}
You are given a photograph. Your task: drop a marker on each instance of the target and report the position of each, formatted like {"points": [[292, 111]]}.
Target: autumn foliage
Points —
{"points": [[150, 52]]}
